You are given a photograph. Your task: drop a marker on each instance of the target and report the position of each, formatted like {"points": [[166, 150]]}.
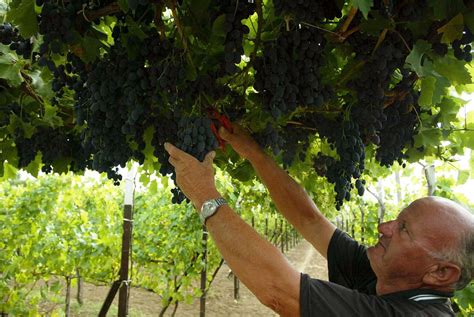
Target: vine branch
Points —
{"points": [[109, 9]]}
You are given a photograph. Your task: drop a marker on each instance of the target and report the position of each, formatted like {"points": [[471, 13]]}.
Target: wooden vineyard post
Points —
{"points": [[122, 285], [282, 237], [68, 296], [202, 300]]}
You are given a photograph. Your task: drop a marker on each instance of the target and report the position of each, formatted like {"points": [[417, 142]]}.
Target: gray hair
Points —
{"points": [[462, 256]]}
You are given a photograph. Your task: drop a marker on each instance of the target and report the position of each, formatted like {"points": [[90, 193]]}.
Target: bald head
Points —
{"points": [[451, 228], [449, 214]]}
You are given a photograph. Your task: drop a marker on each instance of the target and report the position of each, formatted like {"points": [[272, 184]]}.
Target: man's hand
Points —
{"points": [[241, 142], [194, 178]]}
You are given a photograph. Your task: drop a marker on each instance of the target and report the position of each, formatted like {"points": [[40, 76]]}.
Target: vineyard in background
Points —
{"points": [[58, 229]]}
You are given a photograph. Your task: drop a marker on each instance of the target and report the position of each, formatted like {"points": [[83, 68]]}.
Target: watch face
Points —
{"points": [[208, 207]]}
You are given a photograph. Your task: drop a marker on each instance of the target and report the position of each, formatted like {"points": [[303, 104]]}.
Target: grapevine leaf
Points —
{"points": [[453, 30], [123, 4], [22, 14], [454, 70], [10, 69], [441, 89], [34, 166], [470, 120], [445, 9], [376, 25], [51, 117], [463, 177], [428, 85], [199, 8], [469, 20], [243, 172], [9, 171], [415, 58], [364, 6], [428, 137], [449, 109], [91, 48]]}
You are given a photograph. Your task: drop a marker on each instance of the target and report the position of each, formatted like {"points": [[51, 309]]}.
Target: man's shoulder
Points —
{"points": [[318, 298]]}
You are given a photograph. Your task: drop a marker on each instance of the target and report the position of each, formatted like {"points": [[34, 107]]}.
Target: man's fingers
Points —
{"points": [[175, 152], [224, 133], [209, 158], [173, 161]]}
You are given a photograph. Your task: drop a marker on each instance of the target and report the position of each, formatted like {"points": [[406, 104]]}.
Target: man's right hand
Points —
{"points": [[241, 141]]}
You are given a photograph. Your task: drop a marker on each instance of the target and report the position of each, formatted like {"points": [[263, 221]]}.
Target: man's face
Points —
{"points": [[402, 255]]}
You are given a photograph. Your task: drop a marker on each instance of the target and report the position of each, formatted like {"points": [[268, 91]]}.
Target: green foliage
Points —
{"points": [[198, 33]]}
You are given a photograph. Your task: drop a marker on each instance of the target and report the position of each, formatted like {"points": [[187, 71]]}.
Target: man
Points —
{"points": [[420, 259]]}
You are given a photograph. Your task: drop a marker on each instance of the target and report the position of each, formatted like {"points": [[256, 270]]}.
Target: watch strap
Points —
{"points": [[217, 203]]}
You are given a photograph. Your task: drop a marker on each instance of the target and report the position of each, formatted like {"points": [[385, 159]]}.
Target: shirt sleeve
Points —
{"points": [[322, 298], [348, 264]]}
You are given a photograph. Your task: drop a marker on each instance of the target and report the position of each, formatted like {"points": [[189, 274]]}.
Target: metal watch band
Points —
{"points": [[214, 206]]}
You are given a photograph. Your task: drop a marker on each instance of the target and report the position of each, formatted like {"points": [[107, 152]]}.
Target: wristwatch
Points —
{"points": [[209, 208]]}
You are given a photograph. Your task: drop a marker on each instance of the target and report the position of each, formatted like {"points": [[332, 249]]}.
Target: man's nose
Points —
{"points": [[386, 228]]}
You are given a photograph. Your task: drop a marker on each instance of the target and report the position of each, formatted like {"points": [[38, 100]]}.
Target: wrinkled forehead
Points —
{"points": [[435, 218]]}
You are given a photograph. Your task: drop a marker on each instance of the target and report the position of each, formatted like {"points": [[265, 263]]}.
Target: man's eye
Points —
{"points": [[403, 227]]}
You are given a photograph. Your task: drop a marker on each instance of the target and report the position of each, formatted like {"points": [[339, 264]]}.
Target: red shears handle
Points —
{"points": [[218, 120]]}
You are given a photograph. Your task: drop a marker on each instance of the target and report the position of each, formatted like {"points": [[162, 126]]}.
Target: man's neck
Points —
{"points": [[393, 287]]}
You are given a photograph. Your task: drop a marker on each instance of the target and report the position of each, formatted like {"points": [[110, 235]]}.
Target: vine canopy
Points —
{"points": [[327, 85]]}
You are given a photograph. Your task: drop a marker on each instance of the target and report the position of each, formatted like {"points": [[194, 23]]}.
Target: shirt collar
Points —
{"points": [[421, 294]]}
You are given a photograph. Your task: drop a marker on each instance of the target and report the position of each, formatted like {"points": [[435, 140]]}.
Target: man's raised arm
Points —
{"points": [[289, 197], [257, 263]]}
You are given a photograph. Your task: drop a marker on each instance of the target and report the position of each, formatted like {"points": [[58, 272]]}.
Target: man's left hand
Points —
{"points": [[194, 178]]}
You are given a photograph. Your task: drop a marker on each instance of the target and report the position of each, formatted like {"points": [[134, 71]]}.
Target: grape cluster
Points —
{"points": [[53, 144], [401, 124], [296, 140], [191, 134], [270, 137], [372, 83], [287, 75], [10, 36], [196, 137], [307, 10], [351, 150], [57, 24], [463, 47], [235, 11]]}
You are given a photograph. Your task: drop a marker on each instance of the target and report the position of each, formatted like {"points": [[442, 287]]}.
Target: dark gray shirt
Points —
{"points": [[351, 289]]}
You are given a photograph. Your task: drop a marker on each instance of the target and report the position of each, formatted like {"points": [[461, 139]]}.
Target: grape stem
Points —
{"points": [[28, 90], [320, 28], [109, 9], [159, 21], [347, 22], [172, 5], [380, 40]]}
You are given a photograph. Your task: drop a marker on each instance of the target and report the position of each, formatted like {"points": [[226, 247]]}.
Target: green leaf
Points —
{"points": [[470, 120], [364, 6], [469, 20], [51, 116], [22, 14], [10, 69], [376, 25], [453, 30], [463, 177], [428, 137], [415, 58], [123, 4], [199, 7], [453, 69], [428, 85], [446, 9], [9, 172], [91, 48]]}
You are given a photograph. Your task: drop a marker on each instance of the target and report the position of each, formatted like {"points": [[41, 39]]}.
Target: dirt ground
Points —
{"points": [[220, 299]]}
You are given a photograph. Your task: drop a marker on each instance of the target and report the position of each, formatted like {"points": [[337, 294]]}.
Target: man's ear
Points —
{"points": [[442, 274]]}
